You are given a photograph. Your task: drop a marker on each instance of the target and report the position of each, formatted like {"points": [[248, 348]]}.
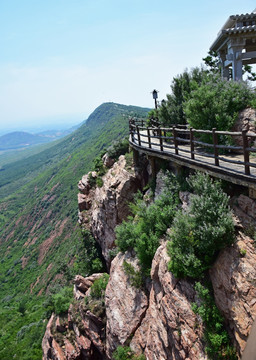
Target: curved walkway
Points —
{"points": [[181, 148]]}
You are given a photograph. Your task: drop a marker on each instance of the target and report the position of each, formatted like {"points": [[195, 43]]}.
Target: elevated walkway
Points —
{"points": [[183, 147]]}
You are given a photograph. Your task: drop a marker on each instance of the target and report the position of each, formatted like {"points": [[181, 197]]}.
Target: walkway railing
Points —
{"points": [[185, 142]]}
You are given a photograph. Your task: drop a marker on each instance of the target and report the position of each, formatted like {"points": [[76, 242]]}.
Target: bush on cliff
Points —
{"points": [[143, 231], [202, 230], [218, 344], [62, 300], [99, 286], [125, 353]]}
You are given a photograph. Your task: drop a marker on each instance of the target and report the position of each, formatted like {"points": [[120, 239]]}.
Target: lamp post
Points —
{"points": [[155, 96]]}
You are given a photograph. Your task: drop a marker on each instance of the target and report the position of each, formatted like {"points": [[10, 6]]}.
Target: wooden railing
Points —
{"points": [[181, 140]]}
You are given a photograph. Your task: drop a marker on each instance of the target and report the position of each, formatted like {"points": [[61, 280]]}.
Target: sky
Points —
{"points": [[60, 59]]}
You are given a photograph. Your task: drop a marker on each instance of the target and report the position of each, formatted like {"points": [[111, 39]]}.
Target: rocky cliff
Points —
{"points": [[102, 208], [156, 320]]}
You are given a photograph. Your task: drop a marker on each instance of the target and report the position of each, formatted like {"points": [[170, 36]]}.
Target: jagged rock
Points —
{"points": [[51, 349], [59, 326], [107, 160], [83, 202], [83, 284], [125, 304], [110, 204], [84, 184], [170, 328], [233, 278], [245, 210], [78, 335]]}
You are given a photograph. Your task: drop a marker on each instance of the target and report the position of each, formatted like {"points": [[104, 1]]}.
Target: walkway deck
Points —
{"points": [[230, 167]]}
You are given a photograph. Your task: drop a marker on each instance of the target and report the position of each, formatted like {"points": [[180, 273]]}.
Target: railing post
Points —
{"points": [[160, 139], [138, 133], [215, 143], [165, 135], [246, 153], [192, 145], [149, 138], [175, 141]]}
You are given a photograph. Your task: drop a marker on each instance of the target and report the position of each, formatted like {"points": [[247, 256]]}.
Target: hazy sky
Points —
{"points": [[60, 59]]}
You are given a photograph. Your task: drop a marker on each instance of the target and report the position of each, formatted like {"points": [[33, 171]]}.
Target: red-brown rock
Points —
{"points": [[170, 328], [125, 304], [233, 278]]}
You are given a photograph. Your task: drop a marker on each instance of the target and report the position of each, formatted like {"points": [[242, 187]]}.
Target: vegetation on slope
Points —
{"points": [[195, 237], [42, 246], [205, 228], [143, 230]]}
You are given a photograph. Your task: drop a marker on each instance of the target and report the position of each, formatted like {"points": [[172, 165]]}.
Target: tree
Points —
{"points": [[171, 111]]}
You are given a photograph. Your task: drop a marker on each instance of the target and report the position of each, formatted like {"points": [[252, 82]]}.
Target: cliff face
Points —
{"points": [[157, 320], [102, 208]]}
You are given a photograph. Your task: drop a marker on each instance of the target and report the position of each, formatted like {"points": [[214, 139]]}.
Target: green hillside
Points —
{"points": [[41, 245]]}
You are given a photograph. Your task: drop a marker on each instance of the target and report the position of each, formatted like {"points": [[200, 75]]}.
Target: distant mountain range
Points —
{"points": [[22, 139]]}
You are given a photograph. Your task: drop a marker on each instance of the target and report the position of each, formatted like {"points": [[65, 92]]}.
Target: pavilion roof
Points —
{"points": [[230, 27]]}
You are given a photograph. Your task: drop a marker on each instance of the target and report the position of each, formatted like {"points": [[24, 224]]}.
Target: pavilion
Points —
{"points": [[236, 44]]}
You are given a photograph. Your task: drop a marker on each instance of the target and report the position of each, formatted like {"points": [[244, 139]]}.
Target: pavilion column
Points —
{"points": [[237, 65], [235, 48], [224, 69]]}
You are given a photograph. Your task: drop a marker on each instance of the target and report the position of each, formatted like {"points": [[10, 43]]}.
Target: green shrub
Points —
{"points": [[142, 233], [125, 353], [171, 111], [215, 104], [120, 147], [126, 235], [99, 182], [216, 337], [135, 276], [92, 180], [99, 286], [62, 300], [98, 165], [204, 229]]}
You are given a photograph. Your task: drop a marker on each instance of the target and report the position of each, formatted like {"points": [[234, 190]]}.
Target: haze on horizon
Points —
{"points": [[60, 60]]}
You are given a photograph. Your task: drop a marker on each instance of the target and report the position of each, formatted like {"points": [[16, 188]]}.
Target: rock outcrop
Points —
{"points": [[108, 206], [233, 278], [245, 210], [170, 328], [126, 305], [81, 333]]}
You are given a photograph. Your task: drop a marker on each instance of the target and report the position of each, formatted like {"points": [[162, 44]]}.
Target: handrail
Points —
{"points": [[184, 140]]}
